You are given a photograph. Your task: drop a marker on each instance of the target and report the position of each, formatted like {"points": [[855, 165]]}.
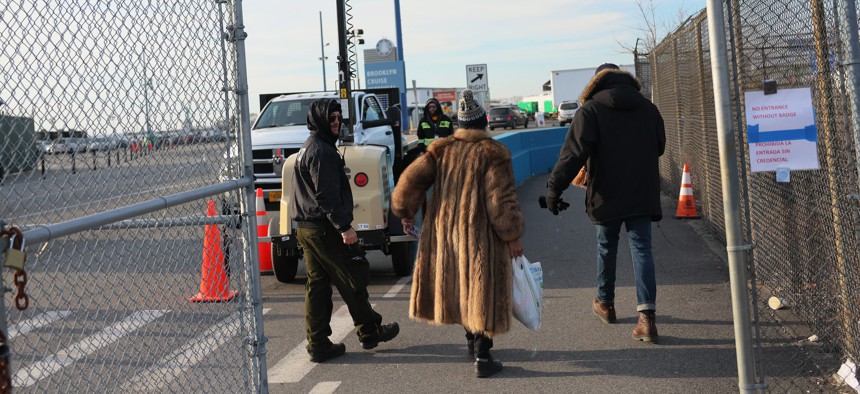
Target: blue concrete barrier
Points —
{"points": [[533, 152]]}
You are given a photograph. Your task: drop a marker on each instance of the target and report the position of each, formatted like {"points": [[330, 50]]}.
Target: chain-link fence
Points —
{"points": [[121, 136], [804, 268]]}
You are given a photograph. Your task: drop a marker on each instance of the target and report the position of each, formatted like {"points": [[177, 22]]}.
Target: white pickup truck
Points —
{"points": [[280, 131]]}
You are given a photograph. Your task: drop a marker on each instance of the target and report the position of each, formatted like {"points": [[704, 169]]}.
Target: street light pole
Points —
{"points": [[404, 106], [322, 54], [147, 84]]}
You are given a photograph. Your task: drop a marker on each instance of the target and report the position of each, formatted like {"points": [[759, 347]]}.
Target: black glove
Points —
{"points": [[554, 202]]}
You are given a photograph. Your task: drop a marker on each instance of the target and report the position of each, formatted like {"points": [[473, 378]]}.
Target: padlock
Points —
{"points": [[14, 258]]}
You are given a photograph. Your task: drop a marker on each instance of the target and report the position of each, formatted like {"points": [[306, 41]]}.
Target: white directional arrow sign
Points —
{"points": [[476, 77]]}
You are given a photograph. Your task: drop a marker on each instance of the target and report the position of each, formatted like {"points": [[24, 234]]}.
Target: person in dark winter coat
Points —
{"points": [[434, 124], [620, 134], [472, 227], [321, 204]]}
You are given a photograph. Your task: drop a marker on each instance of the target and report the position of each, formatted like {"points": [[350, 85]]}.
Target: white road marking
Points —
{"points": [[398, 286], [324, 388], [180, 360], [42, 369], [40, 320], [296, 364]]}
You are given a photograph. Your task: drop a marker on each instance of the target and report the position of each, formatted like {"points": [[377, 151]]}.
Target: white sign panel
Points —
{"points": [[781, 130], [476, 77]]}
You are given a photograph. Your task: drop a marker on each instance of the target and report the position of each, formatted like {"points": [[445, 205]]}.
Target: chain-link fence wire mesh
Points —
{"points": [[107, 105], [805, 231]]}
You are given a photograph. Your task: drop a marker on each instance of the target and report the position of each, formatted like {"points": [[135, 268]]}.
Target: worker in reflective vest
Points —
{"points": [[434, 124]]}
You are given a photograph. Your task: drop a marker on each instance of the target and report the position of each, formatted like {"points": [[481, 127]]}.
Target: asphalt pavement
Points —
{"points": [[572, 352]]}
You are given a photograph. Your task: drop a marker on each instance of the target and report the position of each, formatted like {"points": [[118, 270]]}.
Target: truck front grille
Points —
{"points": [[263, 166]]}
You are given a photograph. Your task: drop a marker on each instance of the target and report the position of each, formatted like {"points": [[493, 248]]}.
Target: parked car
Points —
{"points": [[102, 143], [69, 145], [507, 117], [566, 111], [43, 146]]}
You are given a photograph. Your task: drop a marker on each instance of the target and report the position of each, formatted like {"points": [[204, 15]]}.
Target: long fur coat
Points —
{"points": [[463, 270]]}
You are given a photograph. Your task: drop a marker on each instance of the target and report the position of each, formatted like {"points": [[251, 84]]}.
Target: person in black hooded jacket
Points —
{"points": [[620, 135], [321, 202], [434, 124]]}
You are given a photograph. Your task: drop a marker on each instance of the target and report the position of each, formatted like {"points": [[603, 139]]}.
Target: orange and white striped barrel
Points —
{"points": [[263, 247]]}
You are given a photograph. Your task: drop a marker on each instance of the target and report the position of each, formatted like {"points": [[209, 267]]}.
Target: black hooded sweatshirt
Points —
{"points": [[621, 135], [319, 193]]}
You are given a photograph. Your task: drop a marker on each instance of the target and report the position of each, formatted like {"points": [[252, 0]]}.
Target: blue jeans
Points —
{"points": [[639, 236]]}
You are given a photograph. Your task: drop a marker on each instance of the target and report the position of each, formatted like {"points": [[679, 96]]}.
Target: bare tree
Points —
{"points": [[651, 30]]}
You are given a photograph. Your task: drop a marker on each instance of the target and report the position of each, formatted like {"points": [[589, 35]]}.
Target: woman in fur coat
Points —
{"points": [[472, 225]]}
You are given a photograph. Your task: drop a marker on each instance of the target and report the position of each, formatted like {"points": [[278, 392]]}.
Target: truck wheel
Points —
{"points": [[402, 258], [284, 265]]}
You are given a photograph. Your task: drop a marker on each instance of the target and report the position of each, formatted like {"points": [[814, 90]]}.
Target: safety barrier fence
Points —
{"points": [[804, 267], [533, 152], [124, 154]]}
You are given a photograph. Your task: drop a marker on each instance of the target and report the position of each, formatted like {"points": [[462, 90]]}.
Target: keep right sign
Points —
{"points": [[476, 77]]}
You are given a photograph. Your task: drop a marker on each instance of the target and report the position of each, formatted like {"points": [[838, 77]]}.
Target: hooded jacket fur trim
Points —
{"points": [[463, 269], [599, 80]]}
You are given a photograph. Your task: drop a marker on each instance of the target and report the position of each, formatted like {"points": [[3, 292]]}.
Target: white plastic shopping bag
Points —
{"points": [[527, 292]]}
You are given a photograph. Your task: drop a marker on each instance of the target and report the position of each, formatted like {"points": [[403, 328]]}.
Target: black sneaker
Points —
{"points": [[335, 350], [385, 333], [487, 366]]}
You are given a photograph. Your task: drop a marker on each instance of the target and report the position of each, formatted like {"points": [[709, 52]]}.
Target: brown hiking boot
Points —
{"points": [[604, 310], [646, 329]]}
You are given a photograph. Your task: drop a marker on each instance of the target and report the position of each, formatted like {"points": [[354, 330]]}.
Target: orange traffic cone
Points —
{"points": [[263, 247], [214, 286], [686, 202]]}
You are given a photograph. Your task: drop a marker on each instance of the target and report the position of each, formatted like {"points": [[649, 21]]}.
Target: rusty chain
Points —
{"points": [[5, 372]]}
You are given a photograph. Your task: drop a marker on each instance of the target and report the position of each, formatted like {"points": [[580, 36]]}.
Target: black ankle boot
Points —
{"points": [[485, 364]]}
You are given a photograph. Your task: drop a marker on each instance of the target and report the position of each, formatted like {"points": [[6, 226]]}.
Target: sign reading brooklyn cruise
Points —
{"points": [[781, 130]]}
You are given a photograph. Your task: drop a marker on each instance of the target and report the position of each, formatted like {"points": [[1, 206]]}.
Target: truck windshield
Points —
{"points": [[284, 113]]}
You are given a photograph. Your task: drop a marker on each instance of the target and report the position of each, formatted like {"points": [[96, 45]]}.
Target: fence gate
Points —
{"points": [[805, 268], [123, 136]]}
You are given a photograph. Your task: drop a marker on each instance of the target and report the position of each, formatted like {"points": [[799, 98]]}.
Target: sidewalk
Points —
{"points": [[694, 316]]}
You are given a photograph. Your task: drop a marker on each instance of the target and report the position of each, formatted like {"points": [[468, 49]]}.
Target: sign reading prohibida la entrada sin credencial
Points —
{"points": [[781, 130]]}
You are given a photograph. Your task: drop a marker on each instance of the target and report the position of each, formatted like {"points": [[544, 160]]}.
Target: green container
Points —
{"points": [[528, 107], [18, 151], [547, 107]]}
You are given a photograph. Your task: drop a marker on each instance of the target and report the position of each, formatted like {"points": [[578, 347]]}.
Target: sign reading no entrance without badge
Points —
{"points": [[781, 130]]}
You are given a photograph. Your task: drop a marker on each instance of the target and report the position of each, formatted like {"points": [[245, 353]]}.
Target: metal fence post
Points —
{"points": [[700, 68], [851, 64], [731, 208], [259, 343], [825, 86]]}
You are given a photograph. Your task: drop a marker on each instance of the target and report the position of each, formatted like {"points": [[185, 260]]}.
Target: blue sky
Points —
{"points": [[520, 41]]}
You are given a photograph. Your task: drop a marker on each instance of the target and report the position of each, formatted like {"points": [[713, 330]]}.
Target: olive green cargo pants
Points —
{"points": [[329, 261]]}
